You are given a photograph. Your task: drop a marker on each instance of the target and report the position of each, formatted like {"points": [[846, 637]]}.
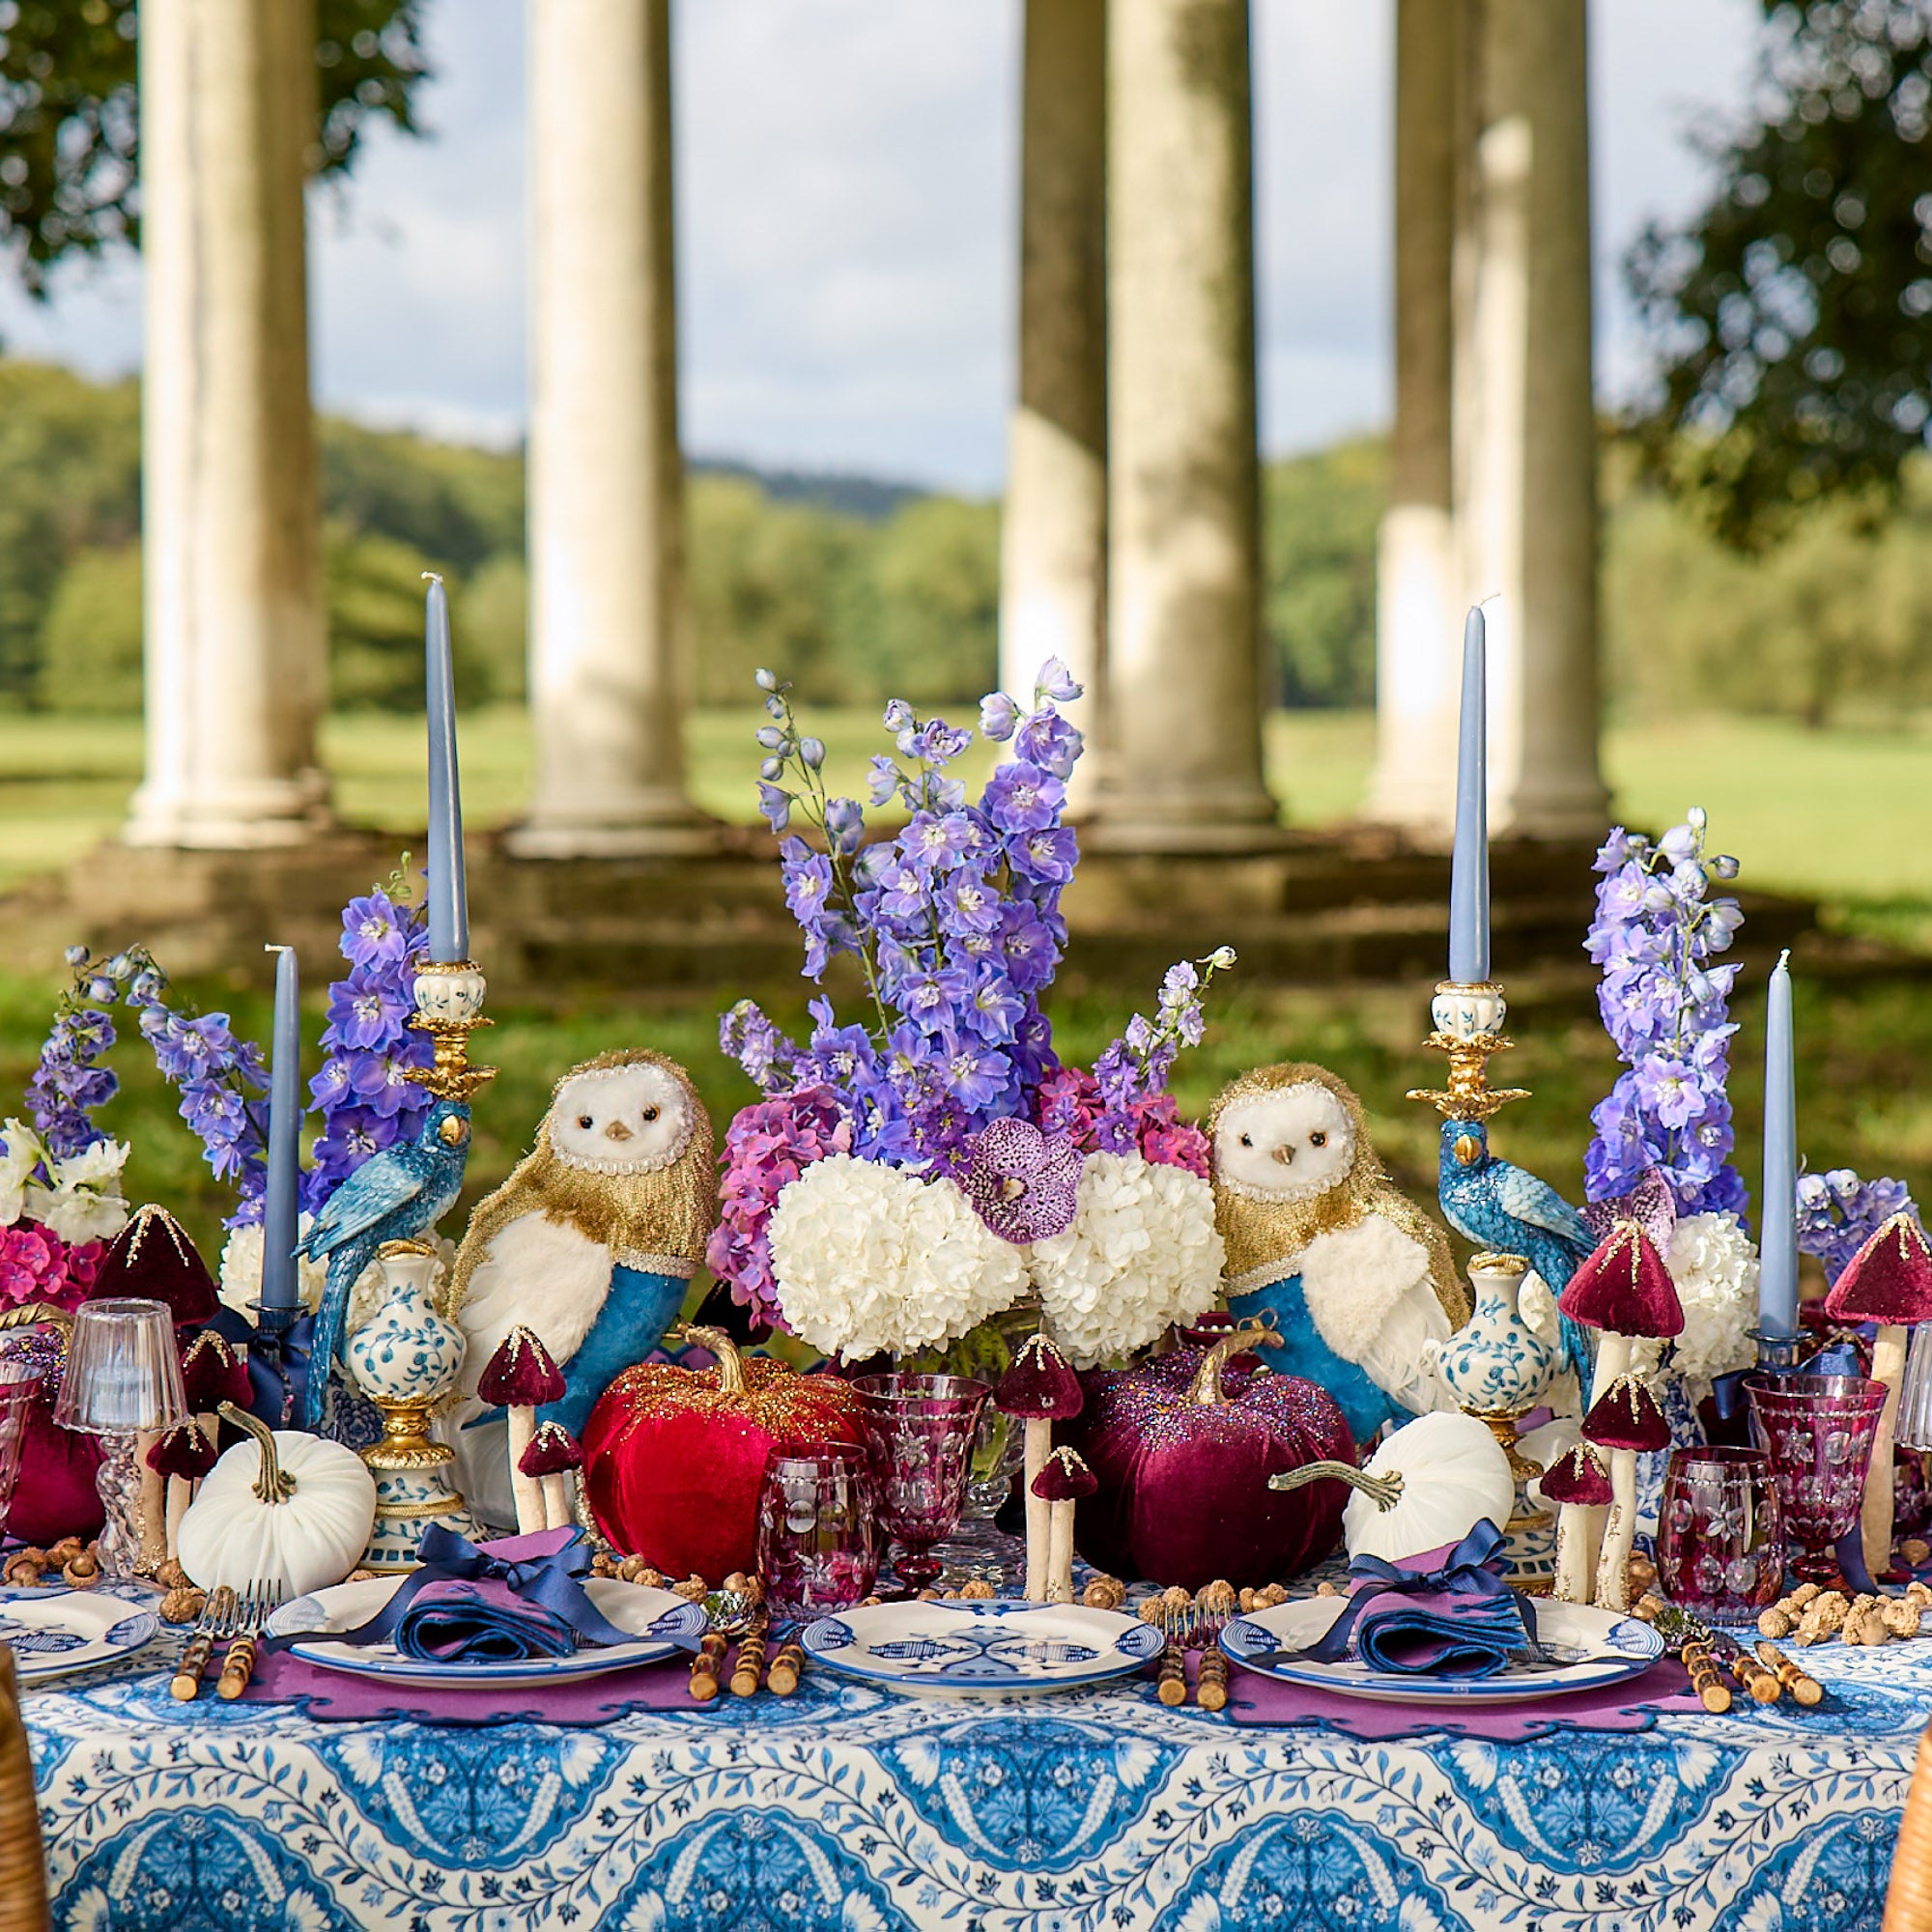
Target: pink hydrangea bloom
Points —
{"points": [[767, 1146], [33, 1267], [1070, 1103], [1167, 1139]]}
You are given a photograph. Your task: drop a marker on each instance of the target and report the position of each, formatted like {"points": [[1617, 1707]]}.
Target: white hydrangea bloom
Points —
{"points": [[1143, 1252], [871, 1260], [1714, 1264]]}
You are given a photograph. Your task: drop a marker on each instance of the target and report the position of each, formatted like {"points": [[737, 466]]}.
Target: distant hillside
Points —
{"points": [[867, 497]]}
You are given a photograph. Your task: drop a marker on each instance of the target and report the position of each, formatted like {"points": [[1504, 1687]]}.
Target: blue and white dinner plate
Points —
{"points": [[660, 1624], [1584, 1649], [977, 1649], [56, 1633]]}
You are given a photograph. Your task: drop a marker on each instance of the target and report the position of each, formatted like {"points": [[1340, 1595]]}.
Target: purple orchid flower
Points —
{"points": [[1024, 1185]]}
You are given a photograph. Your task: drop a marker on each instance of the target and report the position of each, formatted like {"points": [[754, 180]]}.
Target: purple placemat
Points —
{"points": [[1630, 1706], [336, 1697]]}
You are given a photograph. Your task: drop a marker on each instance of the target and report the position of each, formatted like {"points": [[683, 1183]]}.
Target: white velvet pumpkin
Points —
{"points": [[284, 1508], [1454, 1473]]}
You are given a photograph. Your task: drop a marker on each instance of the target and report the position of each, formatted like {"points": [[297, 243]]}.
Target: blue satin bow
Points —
{"points": [[550, 1583], [1475, 1568]]}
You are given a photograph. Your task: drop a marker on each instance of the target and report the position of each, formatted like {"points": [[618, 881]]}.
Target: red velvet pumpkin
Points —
{"points": [[1184, 1447], [55, 1495], [672, 1457]]}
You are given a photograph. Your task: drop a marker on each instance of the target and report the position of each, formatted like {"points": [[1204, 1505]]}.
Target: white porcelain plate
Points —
{"points": [[1583, 1649], [660, 1624], [52, 1633], [952, 1650]]}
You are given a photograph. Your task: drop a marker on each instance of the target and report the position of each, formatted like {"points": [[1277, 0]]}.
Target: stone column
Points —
{"points": [[1418, 621], [1053, 537], [233, 636], [609, 614], [1525, 446], [1184, 684]]}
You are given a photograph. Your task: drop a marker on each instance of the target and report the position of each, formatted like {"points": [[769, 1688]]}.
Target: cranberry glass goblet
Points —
{"points": [[919, 1429], [816, 1551], [1720, 1533], [1817, 1431]]}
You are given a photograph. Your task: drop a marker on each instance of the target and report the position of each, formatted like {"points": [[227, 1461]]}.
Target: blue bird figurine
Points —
{"points": [[393, 1194], [1503, 1207]]}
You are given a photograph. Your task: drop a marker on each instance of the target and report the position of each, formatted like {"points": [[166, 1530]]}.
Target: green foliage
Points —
{"points": [[932, 599], [1794, 313], [1835, 620], [491, 613], [91, 641], [70, 117], [69, 476], [457, 504], [1319, 515]]}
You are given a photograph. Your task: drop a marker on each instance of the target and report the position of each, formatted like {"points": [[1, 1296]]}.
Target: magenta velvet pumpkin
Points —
{"points": [[55, 1495], [1184, 1447]]}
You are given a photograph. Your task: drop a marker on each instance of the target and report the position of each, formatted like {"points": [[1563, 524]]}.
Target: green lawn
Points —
{"points": [[1844, 814]]}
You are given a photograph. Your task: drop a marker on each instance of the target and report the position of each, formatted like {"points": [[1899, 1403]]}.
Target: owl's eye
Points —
{"points": [[586, 1121], [1318, 1138], [650, 1113], [1247, 1140]]}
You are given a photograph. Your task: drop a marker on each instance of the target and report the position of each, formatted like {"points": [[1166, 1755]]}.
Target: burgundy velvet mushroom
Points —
{"points": [[184, 1455], [1039, 1388], [1623, 1288], [1579, 1485], [554, 1452], [1625, 1420], [153, 1260], [212, 1372], [520, 1376], [1889, 1282], [1064, 1479]]}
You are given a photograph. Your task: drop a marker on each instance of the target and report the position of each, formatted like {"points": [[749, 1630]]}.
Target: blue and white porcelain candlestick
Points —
{"points": [[409, 1355], [1498, 1366], [405, 1359]]}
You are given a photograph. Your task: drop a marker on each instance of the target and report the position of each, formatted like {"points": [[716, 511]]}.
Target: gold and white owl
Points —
{"points": [[592, 1243], [1358, 1280]]}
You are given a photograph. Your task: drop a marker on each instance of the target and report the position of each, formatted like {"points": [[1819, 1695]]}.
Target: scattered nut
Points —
{"points": [[1775, 1623], [360, 1577], [927, 1597], [1104, 1593], [82, 1571], [182, 1604], [1902, 1616], [603, 1565], [978, 1590], [1275, 1593], [1326, 1590], [693, 1589], [1218, 1598], [65, 1549], [171, 1575], [1916, 1551], [1639, 1574], [21, 1571]]}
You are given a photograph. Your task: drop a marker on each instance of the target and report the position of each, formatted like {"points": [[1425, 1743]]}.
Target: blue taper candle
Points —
{"points": [[448, 905], [1778, 1231], [1469, 869], [281, 1282]]}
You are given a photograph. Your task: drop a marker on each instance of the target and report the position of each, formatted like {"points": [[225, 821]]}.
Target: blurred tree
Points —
{"points": [[90, 639], [453, 503], [69, 476], [70, 120], [1320, 514], [490, 616], [934, 586], [375, 591], [1794, 314]]}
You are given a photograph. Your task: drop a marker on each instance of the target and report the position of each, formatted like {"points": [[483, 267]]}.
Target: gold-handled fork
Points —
{"points": [[259, 1603], [218, 1621]]}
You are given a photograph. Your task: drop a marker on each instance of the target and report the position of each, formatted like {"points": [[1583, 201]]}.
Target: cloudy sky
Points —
{"points": [[846, 201]]}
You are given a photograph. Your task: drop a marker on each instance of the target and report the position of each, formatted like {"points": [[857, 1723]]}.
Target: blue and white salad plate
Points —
{"points": [[1581, 1648], [661, 1625], [56, 1633], [980, 1649]]}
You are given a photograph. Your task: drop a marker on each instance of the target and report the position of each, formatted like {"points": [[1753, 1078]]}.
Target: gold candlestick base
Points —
{"points": [[449, 1008], [1469, 1029]]}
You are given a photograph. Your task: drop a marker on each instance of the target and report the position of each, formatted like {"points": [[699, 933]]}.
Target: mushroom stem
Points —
{"points": [[531, 1513], [152, 1509], [1579, 1528], [1875, 1511], [555, 1502], [1038, 1447], [1059, 1587], [181, 1493], [1619, 1533], [1613, 1360]]}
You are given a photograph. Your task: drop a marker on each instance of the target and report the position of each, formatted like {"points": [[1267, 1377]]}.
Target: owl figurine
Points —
{"points": [[591, 1243], [1358, 1280]]}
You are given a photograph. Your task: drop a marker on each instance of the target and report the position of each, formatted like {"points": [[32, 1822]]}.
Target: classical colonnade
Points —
{"points": [[1131, 530]]}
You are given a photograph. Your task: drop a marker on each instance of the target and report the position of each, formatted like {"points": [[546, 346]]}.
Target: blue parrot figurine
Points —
{"points": [[393, 1194], [1503, 1207]]}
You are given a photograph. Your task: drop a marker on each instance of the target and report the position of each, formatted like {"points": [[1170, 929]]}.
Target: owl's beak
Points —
{"points": [[1285, 1153], [616, 1131], [1468, 1150]]}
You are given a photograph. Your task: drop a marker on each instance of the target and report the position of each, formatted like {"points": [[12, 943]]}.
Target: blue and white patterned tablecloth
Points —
{"points": [[843, 1809]]}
